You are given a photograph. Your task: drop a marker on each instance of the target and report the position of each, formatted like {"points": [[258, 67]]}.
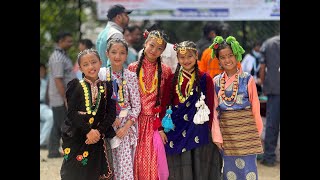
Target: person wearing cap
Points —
{"points": [[118, 19]]}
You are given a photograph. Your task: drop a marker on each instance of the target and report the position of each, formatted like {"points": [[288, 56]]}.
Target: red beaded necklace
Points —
{"points": [[235, 88]]}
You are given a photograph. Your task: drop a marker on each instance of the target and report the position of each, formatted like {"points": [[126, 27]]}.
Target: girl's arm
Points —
{"points": [[209, 97], [215, 130], [73, 95], [255, 104], [165, 100], [105, 127], [134, 96]]}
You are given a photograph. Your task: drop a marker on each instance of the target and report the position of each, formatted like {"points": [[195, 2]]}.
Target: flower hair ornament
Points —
{"points": [[236, 47], [216, 41], [237, 50], [182, 48], [145, 34]]}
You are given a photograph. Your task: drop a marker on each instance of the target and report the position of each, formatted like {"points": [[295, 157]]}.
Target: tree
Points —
{"points": [[55, 16]]}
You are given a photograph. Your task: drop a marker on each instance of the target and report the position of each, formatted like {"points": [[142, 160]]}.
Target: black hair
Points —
{"points": [[112, 41], [87, 42], [61, 35], [221, 46], [87, 51], [208, 27], [133, 27]]}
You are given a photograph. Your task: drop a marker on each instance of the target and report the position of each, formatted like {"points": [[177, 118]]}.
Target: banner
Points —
{"points": [[195, 10]]}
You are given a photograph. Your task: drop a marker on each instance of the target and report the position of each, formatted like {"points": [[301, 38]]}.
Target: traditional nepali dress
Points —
{"points": [[150, 160], [123, 155], [190, 151], [87, 161], [240, 124]]}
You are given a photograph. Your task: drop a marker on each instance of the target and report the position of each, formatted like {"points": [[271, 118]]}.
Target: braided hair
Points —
{"points": [[159, 35]]}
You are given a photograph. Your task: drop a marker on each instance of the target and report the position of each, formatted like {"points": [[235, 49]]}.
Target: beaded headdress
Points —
{"points": [[237, 50], [155, 34], [87, 51], [182, 47]]}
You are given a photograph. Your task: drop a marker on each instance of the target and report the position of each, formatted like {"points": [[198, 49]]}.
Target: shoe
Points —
{"points": [[269, 164]]}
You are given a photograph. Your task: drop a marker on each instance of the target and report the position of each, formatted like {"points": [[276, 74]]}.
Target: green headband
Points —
{"points": [[235, 46]]}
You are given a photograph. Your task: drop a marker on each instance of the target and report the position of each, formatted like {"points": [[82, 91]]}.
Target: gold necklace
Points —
{"points": [[154, 81], [235, 88], [88, 100], [189, 87]]}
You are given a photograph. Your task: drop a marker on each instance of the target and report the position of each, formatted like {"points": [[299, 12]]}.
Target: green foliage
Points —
{"points": [[56, 16]]}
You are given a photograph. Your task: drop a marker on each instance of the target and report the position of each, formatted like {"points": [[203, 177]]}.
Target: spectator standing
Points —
{"points": [[118, 19], [210, 31], [61, 72], [132, 53], [136, 34], [270, 79], [251, 64], [46, 117]]}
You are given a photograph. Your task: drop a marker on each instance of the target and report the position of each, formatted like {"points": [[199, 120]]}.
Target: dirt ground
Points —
{"points": [[50, 169]]}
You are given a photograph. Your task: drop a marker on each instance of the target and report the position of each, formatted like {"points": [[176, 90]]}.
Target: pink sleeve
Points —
{"points": [[255, 104], [215, 129]]}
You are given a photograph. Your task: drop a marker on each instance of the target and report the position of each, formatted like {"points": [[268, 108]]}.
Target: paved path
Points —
{"points": [[50, 168]]}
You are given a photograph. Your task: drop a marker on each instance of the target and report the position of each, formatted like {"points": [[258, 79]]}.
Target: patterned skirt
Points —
{"points": [[146, 165], [239, 132]]}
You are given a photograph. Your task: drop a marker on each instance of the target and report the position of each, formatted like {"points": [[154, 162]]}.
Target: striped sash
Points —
{"points": [[239, 132]]}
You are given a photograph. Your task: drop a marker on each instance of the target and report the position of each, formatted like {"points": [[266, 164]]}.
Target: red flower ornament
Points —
{"points": [[215, 46], [79, 157], [145, 34]]}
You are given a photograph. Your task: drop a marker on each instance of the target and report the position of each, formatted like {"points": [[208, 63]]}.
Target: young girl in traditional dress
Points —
{"points": [[150, 161], [126, 94], [187, 108], [237, 124], [91, 112]]}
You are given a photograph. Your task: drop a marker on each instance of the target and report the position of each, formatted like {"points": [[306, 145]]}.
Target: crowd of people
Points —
{"points": [[178, 111]]}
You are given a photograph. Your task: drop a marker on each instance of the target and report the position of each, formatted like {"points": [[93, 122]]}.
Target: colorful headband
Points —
{"points": [[237, 50], [236, 47], [182, 49], [158, 38]]}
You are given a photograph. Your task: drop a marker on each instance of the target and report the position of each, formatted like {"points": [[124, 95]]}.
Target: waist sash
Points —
{"points": [[239, 132]]}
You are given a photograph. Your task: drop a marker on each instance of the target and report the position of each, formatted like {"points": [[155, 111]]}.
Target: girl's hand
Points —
{"points": [[220, 145], [116, 123], [93, 136], [163, 137], [122, 132]]}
